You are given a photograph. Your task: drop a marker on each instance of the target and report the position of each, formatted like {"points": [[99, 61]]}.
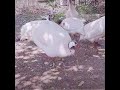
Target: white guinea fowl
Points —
{"points": [[94, 30], [52, 39], [73, 25], [27, 29], [71, 12]]}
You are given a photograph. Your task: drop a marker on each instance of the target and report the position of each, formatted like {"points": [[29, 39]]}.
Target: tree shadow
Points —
{"points": [[43, 72]]}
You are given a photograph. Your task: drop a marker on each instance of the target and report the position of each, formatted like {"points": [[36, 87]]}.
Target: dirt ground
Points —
{"points": [[36, 71]]}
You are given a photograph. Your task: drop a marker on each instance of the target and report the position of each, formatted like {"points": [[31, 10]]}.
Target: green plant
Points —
{"points": [[51, 3], [58, 16], [87, 9]]}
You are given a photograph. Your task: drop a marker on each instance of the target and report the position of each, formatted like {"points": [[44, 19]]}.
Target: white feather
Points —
{"points": [[27, 29], [52, 38], [73, 25], [94, 30]]}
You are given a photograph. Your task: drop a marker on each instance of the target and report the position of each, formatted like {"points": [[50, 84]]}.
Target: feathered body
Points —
{"points": [[94, 30], [52, 38], [73, 25]]}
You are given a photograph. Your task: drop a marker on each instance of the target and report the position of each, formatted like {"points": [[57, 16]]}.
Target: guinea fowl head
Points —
{"points": [[72, 45]]}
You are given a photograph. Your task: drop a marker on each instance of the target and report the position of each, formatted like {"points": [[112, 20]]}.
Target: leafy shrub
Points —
{"points": [[58, 16], [87, 9]]}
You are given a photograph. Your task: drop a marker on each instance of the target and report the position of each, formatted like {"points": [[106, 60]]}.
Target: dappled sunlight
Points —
{"points": [[101, 50], [97, 56], [19, 57], [29, 47], [21, 50], [62, 49], [90, 69], [51, 38], [35, 52], [46, 78], [94, 76], [35, 78], [93, 23], [27, 83], [76, 68], [46, 37], [49, 76], [17, 81], [17, 75], [103, 56], [32, 83], [73, 68], [34, 48], [34, 60], [26, 57], [25, 61], [62, 34], [80, 68]]}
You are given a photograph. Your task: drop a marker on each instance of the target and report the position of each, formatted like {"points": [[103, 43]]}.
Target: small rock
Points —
{"points": [[90, 69], [59, 78], [17, 75], [46, 63], [81, 83]]}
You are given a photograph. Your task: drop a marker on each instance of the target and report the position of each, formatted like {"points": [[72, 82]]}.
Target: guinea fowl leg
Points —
{"points": [[76, 54], [55, 60], [77, 61]]}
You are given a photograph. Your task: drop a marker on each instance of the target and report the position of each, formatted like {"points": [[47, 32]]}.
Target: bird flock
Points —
{"points": [[58, 40]]}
